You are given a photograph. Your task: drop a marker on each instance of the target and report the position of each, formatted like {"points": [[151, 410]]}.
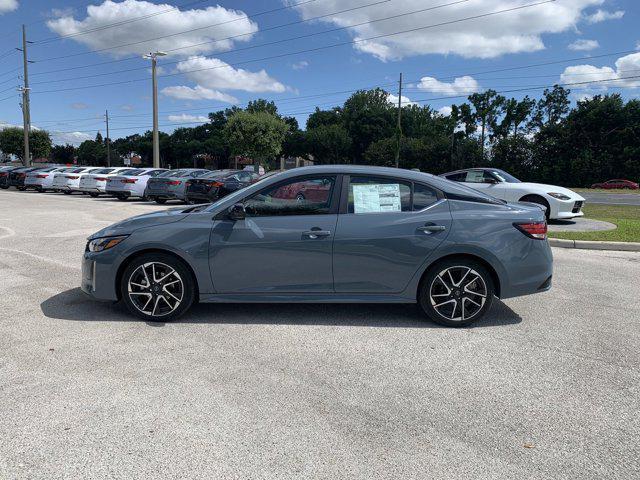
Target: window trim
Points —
{"points": [[333, 202]]}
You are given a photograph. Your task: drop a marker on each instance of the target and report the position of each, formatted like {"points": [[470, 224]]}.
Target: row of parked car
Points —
{"points": [[190, 185]]}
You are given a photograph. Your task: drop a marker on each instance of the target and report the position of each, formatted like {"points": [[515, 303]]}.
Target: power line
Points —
{"points": [[352, 42]]}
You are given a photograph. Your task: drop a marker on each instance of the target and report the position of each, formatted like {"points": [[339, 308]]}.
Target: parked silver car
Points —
{"points": [[172, 187], [132, 183]]}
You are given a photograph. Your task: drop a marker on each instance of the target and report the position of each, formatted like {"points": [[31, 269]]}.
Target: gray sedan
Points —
{"points": [[172, 186], [327, 234]]}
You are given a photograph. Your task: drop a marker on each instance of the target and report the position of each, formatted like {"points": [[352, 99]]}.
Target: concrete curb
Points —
{"points": [[591, 245]]}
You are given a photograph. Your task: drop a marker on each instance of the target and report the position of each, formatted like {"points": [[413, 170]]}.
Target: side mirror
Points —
{"points": [[491, 181], [237, 212]]}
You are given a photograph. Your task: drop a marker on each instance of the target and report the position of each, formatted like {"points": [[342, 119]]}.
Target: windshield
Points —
{"points": [[504, 176]]}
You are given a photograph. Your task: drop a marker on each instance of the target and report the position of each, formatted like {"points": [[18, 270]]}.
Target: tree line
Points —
{"points": [[545, 140]]}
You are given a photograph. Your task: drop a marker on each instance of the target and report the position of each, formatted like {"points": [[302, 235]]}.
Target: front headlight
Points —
{"points": [[559, 196], [104, 243]]}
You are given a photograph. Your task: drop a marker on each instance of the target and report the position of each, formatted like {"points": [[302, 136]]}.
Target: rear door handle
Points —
{"points": [[429, 229], [314, 234]]}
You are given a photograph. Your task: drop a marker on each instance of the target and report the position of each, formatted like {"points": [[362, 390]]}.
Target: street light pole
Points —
{"points": [[154, 82], [106, 116]]}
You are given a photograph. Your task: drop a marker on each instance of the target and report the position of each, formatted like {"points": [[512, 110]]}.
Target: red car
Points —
{"points": [[617, 183]]}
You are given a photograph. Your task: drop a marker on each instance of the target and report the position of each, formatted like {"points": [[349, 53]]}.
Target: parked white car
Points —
{"points": [[560, 203], [132, 184], [68, 181], [94, 183], [42, 180]]}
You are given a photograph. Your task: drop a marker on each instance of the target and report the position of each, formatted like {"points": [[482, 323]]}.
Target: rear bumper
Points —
{"points": [[118, 193], [532, 273], [89, 189]]}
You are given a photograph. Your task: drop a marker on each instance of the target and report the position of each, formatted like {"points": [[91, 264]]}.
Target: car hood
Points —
{"points": [[129, 225], [544, 188]]}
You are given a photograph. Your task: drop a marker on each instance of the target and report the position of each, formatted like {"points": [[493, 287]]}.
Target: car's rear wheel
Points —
{"points": [[67, 192], [157, 287], [160, 201], [122, 198], [22, 189], [456, 292], [94, 194]]}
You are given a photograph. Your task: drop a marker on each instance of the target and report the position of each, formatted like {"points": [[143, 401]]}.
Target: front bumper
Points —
{"points": [[98, 278], [566, 209]]}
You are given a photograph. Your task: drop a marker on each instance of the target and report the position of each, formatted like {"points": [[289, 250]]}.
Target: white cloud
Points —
{"points": [[79, 106], [182, 92], [213, 73], [627, 66], [8, 6], [126, 107], [301, 65], [208, 24], [460, 86], [583, 45], [445, 111], [406, 101], [511, 32], [184, 118], [604, 15], [74, 138]]}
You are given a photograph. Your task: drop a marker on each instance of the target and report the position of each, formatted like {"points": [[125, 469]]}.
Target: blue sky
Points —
{"points": [[229, 52]]}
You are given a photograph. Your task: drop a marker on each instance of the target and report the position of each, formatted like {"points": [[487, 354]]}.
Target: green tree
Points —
{"points": [[488, 107], [329, 144], [63, 153], [12, 142], [256, 135]]}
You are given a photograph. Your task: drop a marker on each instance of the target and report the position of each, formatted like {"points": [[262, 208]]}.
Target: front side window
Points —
{"points": [[307, 196], [375, 195]]}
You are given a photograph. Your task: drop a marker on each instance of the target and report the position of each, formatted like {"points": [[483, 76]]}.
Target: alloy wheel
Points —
{"points": [[458, 293], [155, 289]]}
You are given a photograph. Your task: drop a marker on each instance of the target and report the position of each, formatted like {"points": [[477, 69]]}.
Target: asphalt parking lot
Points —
{"points": [[612, 198], [547, 386]]}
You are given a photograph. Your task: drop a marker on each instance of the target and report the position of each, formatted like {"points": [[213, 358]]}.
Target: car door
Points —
{"points": [[386, 230], [284, 245]]}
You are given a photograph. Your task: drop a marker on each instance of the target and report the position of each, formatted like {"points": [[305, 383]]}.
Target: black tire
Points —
{"points": [[4, 187], [39, 189], [461, 294], [94, 194], [22, 189], [187, 294], [122, 198], [67, 192], [539, 201], [160, 201]]}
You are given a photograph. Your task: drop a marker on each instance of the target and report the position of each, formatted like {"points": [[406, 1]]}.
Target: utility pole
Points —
{"points": [[154, 82], [26, 113], [399, 127], [106, 117]]}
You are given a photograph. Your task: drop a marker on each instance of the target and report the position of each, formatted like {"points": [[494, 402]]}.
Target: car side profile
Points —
{"points": [[617, 183], [559, 203], [368, 235]]}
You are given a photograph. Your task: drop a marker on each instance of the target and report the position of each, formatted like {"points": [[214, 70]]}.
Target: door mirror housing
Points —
{"points": [[491, 181], [237, 212]]}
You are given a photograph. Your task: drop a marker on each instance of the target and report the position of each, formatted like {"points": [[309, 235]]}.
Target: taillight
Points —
{"points": [[21, 175], [101, 179], [3, 174], [42, 176], [130, 180], [174, 182], [72, 177], [537, 230], [216, 184]]}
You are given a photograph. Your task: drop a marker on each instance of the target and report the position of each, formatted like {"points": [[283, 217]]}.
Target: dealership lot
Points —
{"points": [[547, 387]]}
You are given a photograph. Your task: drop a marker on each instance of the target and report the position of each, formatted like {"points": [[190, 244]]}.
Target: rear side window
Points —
{"points": [[423, 196], [375, 195]]}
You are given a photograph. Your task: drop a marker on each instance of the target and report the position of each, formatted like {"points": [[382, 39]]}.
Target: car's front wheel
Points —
{"points": [[456, 292], [157, 287]]}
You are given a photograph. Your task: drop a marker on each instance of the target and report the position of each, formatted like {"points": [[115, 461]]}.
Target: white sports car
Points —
{"points": [[560, 203]]}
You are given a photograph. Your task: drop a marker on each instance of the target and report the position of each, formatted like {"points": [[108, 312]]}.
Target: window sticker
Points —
{"points": [[376, 198]]}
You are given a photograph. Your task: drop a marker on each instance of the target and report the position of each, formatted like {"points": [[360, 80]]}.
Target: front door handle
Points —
{"points": [[429, 229], [314, 234]]}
